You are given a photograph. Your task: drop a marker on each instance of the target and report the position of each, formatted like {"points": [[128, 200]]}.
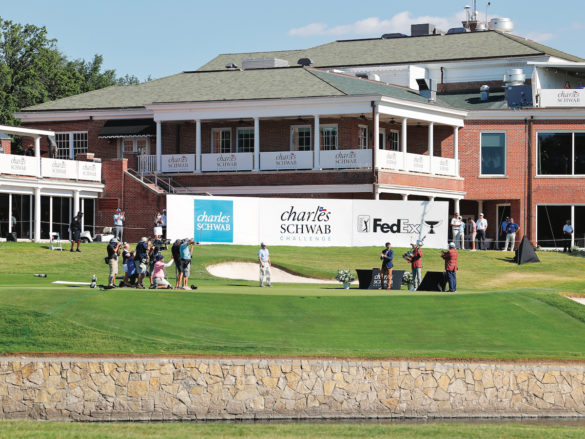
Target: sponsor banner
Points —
{"points": [[19, 165], [90, 171], [307, 222], [400, 223], [286, 160], [562, 98], [178, 163], [389, 159], [346, 158], [444, 166], [418, 163], [56, 168], [214, 221], [243, 161]]}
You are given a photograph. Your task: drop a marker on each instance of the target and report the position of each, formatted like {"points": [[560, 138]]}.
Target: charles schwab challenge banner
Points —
{"points": [[307, 222], [213, 221]]}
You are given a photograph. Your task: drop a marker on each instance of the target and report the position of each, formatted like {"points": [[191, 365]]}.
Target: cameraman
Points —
{"points": [[119, 219], [141, 260], [128, 267], [186, 254], [113, 253], [176, 252]]}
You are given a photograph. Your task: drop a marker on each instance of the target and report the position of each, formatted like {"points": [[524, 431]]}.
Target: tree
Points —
{"points": [[33, 70]]}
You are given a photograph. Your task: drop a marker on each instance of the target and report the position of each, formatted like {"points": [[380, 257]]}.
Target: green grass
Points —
{"points": [[65, 430], [501, 310]]}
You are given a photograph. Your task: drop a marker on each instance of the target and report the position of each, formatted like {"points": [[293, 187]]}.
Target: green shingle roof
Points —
{"points": [[413, 50], [228, 85]]}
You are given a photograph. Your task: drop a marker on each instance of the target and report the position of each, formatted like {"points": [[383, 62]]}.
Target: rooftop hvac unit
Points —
{"points": [[393, 35], [263, 63]]}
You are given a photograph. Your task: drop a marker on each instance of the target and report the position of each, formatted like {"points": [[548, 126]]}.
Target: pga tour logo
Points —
{"points": [[214, 221]]}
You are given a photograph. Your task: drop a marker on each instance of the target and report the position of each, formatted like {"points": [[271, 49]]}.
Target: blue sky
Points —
{"points": [[163, 37]]}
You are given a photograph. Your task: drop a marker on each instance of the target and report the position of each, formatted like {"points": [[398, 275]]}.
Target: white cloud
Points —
{"points": [[375, 26]]}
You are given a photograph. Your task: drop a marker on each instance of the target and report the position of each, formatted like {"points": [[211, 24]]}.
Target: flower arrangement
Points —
{"points": [[407, 278], [344, 276]]}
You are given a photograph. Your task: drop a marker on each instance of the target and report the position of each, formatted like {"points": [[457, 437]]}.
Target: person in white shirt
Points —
{"points": [[567, 235], [264, 260], [456, 228], [119, 218], [481, 226]]}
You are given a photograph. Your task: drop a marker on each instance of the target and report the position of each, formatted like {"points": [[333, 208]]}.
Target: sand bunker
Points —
{"points": [[580, 300], [249, 271]]}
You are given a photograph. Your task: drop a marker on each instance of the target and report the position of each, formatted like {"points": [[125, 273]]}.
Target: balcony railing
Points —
{"points": [[50, 168], [292, 160]]}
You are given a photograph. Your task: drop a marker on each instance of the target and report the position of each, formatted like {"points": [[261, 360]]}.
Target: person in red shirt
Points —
{"points": [[450, 258], [416, 264]]}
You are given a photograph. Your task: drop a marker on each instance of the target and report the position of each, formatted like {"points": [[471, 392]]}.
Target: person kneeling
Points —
{"points": [[158, 274]]}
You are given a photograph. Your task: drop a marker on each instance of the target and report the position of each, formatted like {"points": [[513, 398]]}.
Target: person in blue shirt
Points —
{"points": [[387, 257], [567, 235], [186, 251], [511, 230]]}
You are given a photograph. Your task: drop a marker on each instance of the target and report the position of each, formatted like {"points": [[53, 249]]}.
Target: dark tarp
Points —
{"points": [[526, 253], [128, 128]]}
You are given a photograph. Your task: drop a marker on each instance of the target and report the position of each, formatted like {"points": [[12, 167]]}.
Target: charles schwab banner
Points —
{"points": [[307, 222]]}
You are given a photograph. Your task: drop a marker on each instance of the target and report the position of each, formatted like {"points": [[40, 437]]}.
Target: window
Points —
{"points": [[561, 153], [328, 137], [363, 137], [245, 140], [382, 138], [138, 145], [493, 153], [221, 140], [300, 138], [71, 144], [394, 140]]}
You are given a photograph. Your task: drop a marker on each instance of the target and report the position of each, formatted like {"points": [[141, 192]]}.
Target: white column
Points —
{"points": [[480, 208], [50, 217], [10, 213], [431, 199], [431, 146], [456, 149], [317, 144], [376, 192], [403, 141], [38, 153], [37, 222], [572, 224], [158, 146], [197, 146], [75, 202], [376, 135], [456, 204], [256, 144], [404, 197]]}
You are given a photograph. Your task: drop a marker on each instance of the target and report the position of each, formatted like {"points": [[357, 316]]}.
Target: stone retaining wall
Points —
{"points": [[188, 389]]}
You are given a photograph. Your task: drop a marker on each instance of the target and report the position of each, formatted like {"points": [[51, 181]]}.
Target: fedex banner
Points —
{"points": [[307, 222]]}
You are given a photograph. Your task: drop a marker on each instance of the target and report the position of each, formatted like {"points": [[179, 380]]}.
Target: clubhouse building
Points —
{"points": [[486, 120]]}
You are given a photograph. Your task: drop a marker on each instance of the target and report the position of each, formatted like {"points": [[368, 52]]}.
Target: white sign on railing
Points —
{"points": [[178, 163], [346, 158], [444, 166], [417, 163], [56, 168], [389, 159], [19, 165], [242, 161], [286, 160], [562, 98], [89, 171]]}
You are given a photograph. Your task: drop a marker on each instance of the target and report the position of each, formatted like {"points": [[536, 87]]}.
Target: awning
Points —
{"points": [[128, 128]]}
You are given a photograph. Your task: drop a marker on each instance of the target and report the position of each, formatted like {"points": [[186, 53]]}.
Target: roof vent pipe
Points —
{"points": [[305, 62], [484, 93]]}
